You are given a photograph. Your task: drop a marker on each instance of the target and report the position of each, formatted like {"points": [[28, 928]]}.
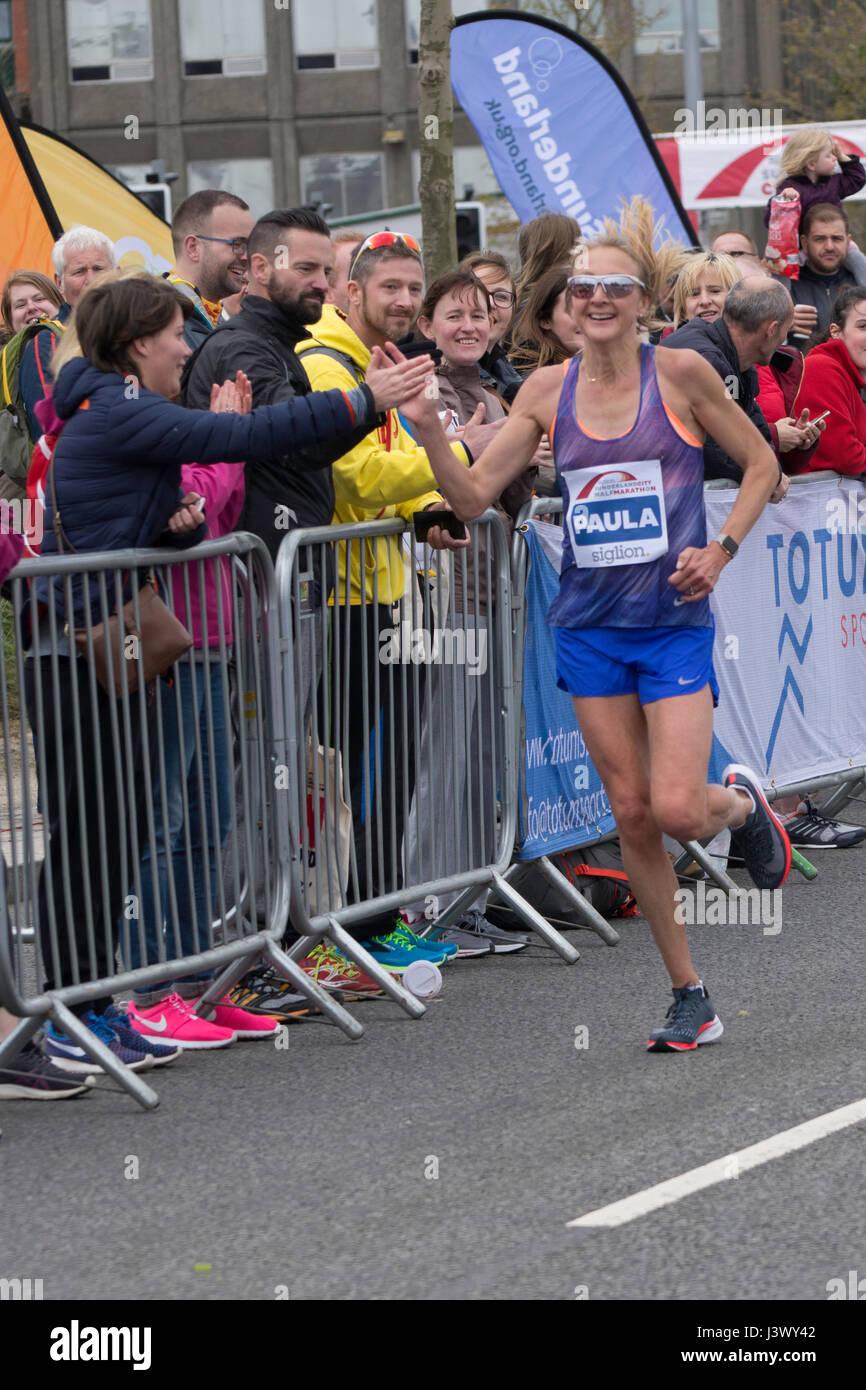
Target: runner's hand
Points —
{"points": [[780, 491], [697, 571]]}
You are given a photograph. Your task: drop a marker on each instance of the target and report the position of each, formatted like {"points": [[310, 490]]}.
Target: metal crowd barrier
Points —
{"points": [[843, 785], [162, 856], [401, 731]]}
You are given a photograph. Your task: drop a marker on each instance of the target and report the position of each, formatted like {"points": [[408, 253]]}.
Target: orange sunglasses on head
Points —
{"points": [[384, 239]]}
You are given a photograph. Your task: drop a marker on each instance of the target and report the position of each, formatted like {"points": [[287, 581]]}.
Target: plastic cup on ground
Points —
{"points": [[423, 979]]}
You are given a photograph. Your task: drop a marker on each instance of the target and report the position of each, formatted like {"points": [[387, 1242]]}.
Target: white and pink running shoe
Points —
{"points": [[242, 1023], [174, 1019]]}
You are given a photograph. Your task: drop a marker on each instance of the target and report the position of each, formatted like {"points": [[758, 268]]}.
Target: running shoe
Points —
{"points": [[501, 942], [339, 975], [159, 1054], [396, 951], [245, 1026], [766, 847], [31, 1076], [448, 947], [468, 943], [813, 831], [690, 1021], [173, 1020], [67, 1055], [264, 991]]}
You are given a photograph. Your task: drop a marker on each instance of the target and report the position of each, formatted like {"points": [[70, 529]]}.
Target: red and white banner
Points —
{"points": [[740, 169]]}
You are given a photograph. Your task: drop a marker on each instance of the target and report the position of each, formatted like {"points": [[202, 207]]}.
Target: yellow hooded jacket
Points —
{"points": [[386, 475]]}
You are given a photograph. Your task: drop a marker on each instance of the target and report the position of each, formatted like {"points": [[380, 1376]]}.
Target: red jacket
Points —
{"points": [[832, 382]]}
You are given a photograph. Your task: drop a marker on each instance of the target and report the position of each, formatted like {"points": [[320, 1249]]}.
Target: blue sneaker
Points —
{"points": [[447, 948], [690, 1021], [396, 951], [159, 1053], [67, 1055]]}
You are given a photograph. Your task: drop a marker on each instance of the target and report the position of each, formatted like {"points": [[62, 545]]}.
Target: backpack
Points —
{"points": [[15, 444], [596, 871], [342, 357]]}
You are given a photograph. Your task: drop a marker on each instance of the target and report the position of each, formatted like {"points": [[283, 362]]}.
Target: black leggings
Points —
{"points": [[100, 859]]}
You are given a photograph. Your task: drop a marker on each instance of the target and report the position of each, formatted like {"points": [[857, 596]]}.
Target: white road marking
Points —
{"points": [[722, 1169]]}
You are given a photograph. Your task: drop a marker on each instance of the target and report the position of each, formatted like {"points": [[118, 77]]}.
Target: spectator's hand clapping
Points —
{"points": [[233, 397], [395, 381]]}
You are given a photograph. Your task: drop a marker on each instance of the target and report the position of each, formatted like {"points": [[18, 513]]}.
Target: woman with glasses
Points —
{"points": [[494, 273], [634, 632]]}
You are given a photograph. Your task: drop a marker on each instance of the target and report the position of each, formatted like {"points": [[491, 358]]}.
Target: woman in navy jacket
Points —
{"points": [[117, 464]]}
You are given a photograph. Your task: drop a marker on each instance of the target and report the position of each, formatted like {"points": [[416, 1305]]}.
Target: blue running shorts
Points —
{"points": [[654, 662]]}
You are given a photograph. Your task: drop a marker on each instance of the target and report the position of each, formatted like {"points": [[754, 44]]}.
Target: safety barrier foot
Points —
{"points": [[695, 850], [334, 1011], [590, 918], [370, 966], [527, 913], [69, 1023]]}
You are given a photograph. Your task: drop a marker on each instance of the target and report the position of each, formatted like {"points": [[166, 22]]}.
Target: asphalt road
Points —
{"points": [[443, 1158]]}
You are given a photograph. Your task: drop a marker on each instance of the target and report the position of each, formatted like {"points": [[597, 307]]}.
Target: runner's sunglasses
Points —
{"points": [[614, 286], [383, 239]]}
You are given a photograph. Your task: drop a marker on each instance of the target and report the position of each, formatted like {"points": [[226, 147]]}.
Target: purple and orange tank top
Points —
{"points": [[630, 505]]}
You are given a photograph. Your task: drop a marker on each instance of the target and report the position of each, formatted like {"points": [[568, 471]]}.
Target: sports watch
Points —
{"points": [[727, 543]]}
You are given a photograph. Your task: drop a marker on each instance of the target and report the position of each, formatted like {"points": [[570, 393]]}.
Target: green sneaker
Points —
{"points": [[396, 951]]}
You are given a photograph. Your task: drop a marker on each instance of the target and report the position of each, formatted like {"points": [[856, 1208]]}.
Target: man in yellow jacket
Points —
{"points": [[386, 475]]}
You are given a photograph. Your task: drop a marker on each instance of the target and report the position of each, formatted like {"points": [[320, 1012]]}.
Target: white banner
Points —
{"points": [[790, 652], [739, 165]]}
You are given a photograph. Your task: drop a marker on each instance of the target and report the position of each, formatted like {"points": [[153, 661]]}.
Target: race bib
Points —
{"points": [[616, 516]]}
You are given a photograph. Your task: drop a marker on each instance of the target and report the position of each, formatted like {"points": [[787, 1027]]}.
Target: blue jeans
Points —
{"points": [[182, 770]]}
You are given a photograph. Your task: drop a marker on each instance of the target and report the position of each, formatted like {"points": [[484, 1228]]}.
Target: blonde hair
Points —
{"points": [[801, 148], [636, 234], [69, 346], [696, 266]]}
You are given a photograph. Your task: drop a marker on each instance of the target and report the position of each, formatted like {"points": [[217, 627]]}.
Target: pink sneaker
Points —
{"points": [[242, 1023], [173, 1019]]}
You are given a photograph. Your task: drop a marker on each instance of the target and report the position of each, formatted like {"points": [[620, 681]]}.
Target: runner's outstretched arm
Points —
{"points": [[471, 490]]}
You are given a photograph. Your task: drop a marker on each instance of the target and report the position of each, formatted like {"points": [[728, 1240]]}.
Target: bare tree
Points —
{"points": [[436, 125]]}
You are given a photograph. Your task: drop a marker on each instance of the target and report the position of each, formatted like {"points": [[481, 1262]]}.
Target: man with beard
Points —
{"points": [[824, 238], [209, 233], [290, 259], [290, 256]]}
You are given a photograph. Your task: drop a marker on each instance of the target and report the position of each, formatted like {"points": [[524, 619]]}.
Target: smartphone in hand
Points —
{"points": [[449, 521]]}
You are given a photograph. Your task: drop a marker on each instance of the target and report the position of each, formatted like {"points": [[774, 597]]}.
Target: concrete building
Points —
{"points": [[292, 100]]}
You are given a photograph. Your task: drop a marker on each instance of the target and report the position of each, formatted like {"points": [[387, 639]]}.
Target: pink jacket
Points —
{"points": [[222, 487], [11, 545]]}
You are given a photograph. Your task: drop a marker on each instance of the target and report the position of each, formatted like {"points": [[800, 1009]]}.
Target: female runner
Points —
{"points": [[634, 628]]}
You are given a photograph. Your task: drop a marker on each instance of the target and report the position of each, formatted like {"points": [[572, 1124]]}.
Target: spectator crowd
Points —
{"points": [[267, 397]]}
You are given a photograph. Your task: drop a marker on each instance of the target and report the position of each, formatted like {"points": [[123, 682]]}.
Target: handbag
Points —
{"points": [[126, 652]]}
